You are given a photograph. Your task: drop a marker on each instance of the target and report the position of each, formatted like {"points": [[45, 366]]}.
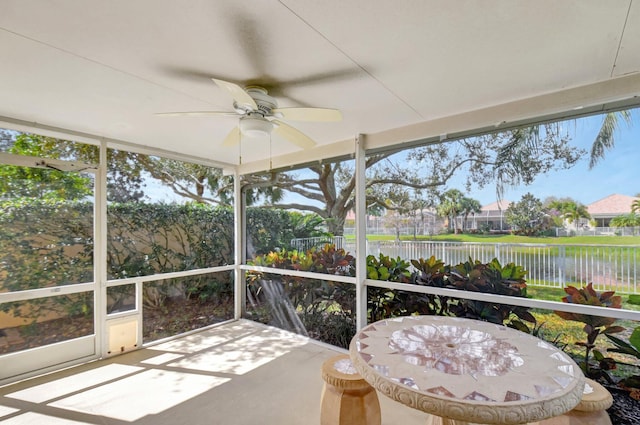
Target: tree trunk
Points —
{"points": [[335, 226]]}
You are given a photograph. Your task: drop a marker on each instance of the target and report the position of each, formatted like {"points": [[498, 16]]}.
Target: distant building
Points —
{"points": [[490, 217], [605, 209]]}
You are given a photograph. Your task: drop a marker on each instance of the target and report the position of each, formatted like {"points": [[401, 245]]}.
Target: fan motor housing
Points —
{"points": [[265, 102]]}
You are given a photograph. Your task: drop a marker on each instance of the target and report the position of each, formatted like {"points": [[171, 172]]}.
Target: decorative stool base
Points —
{"points": [[347, 399], [590, 411]]}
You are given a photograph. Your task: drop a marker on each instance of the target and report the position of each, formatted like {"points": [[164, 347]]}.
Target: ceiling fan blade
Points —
{"points": [[197, 114], [239, 95], [308, 114], [233, 138], [293, 135]]}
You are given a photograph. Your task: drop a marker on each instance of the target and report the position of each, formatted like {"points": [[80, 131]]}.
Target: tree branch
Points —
{"points": [[293, 206]]}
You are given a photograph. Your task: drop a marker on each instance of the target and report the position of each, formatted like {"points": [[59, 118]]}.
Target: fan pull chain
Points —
{"points": [[270, 153], [239, 146]]}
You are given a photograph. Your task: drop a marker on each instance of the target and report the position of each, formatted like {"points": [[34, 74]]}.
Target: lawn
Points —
{"points": [[566, 332]]}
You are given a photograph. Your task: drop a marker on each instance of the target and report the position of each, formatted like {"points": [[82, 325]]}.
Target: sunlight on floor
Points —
{"points": [[4, 411], [153, 391], [205, 340], [74, 383], [239, 372], [245, 354], [32, 418], [108, 390]]}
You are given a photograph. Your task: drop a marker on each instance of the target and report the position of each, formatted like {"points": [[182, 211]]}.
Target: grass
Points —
{"points": [[567, 333]]}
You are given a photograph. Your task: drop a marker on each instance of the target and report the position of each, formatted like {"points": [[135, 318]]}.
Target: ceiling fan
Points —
{"points": [[259, 115]]}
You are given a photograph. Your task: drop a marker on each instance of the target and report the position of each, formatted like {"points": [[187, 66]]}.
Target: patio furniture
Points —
{"points": [[465, 371], [592, 409], [347, 399]]}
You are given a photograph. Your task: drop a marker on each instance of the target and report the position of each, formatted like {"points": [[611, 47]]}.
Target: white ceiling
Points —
{"points": [[416, 67]]}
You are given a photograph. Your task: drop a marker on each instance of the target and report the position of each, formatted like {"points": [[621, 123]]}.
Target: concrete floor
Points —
{"points": [[237, 373]]}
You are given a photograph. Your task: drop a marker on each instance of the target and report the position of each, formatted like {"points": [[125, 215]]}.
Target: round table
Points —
{"points": [[466, 371]]}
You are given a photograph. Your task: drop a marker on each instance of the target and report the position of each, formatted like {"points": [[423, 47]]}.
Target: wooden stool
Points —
{"points": [[592, 410], [347, 399]]}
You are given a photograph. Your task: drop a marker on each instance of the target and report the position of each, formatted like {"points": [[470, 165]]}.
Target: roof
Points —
{"points": [[612, 205], [496, 206], [398, 71]]}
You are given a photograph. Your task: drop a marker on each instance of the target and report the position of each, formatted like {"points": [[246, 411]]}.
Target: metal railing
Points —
{"points": [[304, 244], [608, 267], [599, 231]]}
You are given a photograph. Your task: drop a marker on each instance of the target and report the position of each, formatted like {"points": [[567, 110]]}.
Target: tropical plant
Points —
{"points": [[429, 272], [307, 304], [491, 278], [573, 212], [432, 272], [468, 206], [630, 348], [382, 302], [450, 206], [387, 268], [625, 220], [605, 139], [593, 325], [308, 225]]}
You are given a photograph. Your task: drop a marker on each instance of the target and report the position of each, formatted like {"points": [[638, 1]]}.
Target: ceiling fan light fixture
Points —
{"points": [[252, 126]]}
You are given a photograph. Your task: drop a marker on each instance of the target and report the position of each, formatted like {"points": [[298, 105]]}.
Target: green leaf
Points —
{"points": [[634, 299], [384, 273]]}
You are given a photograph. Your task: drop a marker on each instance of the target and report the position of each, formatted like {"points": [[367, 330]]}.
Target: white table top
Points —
{"points": [[467, 369]]}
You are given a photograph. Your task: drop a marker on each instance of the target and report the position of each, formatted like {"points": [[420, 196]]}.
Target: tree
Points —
{"points": [[450, 207], [198, 183], [574, 212], [553, 206], [568, 209], [329, 187], [35, 182], [469, 206], [306, 225], [7, 138], [500, 157], [508, 158], [635, 206], [526, 216], [416, 210], [625, 220]]}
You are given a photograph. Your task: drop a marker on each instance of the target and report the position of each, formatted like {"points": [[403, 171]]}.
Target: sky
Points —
{"points": [[618, 173]]}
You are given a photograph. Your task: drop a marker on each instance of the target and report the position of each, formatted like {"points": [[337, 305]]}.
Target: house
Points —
{"points": [[603, 210], [491, 217]]}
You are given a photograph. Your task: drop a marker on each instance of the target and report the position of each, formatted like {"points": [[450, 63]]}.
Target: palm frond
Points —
{"points": [[605, 139]]}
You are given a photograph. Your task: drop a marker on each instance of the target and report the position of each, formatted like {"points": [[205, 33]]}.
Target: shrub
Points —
{"points": [[593, 325]]}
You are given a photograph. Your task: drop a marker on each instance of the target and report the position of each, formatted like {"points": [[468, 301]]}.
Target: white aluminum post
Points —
{"points": [[239, 247], [100, 252], [361, 234]]}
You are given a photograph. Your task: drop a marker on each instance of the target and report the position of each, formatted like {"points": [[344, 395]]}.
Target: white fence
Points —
{"points": [[608, 267], [304, 244], [599, 231]]}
